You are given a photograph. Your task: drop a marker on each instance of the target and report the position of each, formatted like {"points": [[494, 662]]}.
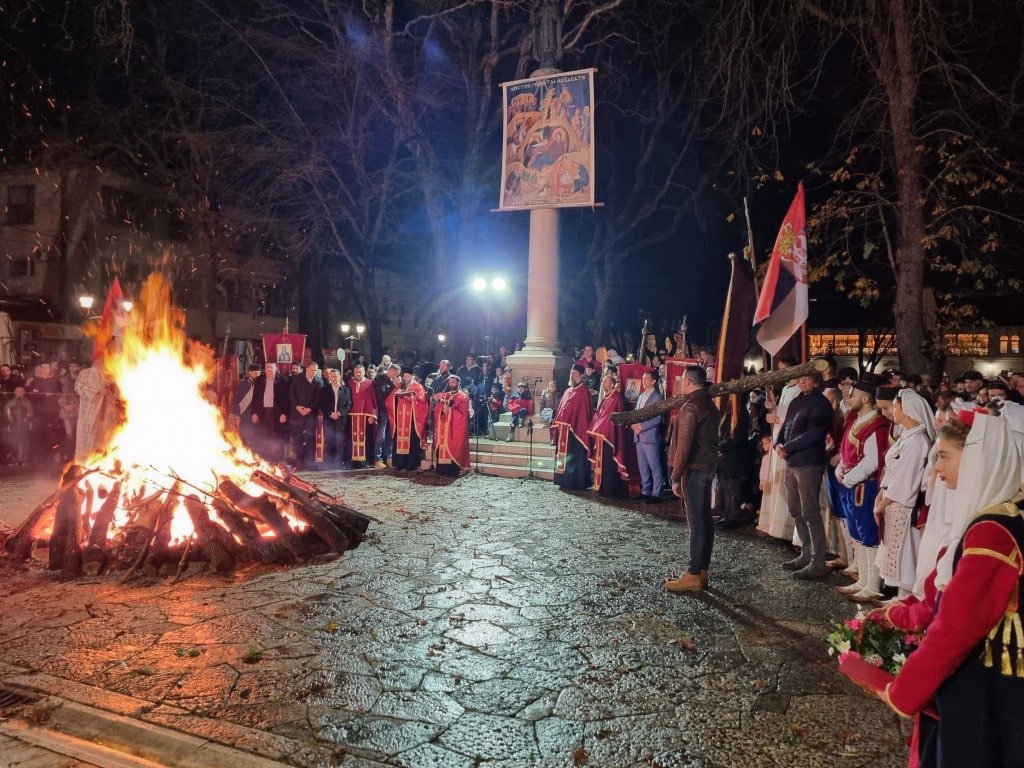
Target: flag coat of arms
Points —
{"points": [[783, 305]]}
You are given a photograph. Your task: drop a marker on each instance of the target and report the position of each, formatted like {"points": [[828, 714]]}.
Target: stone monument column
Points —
{"points": [[541, 357]]}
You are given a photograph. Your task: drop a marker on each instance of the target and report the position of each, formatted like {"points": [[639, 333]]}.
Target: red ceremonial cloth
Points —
{"points": [[364, 407], [226, 383], [284, 348], [411, 409], [451, 429], [602, 431], [851, 449], [572, 421], [113, 306], [631, 373]]}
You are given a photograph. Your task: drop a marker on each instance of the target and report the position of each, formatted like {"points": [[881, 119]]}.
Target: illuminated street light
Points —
{"points": [[498, 284], [479, 284], [127, 306], [345, 327], [360, 329], [86, 302], [442, 338]]}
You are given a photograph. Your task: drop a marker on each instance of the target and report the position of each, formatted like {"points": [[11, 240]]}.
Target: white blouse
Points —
{"points": [[905, 464]]}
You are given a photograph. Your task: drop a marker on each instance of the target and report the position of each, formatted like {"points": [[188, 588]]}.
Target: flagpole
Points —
{"points": [[766, 360]]}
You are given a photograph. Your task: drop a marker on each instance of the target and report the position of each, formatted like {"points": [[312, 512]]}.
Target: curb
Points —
{"points": [[172, 737]]}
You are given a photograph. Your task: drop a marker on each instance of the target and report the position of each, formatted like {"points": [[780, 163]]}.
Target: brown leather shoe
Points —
{"points": [[704, 579], [688, 582]]}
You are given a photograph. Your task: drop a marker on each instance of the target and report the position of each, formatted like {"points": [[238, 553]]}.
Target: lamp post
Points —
{"points": [[86, 301], [486, 289], [351, 338]]}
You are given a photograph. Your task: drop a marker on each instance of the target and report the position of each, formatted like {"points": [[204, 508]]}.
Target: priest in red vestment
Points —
{"points": [[451, 429], [609, 443], [363, 415], [410, 419], [570, 428]]}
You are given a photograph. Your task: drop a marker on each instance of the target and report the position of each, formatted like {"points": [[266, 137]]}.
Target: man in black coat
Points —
{"points": [[304, 396], [269, 412], [734, 463], [383, 383], [334, 404]]}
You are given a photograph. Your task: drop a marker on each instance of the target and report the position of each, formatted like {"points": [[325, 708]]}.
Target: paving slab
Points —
{"points": [[485, 622]]}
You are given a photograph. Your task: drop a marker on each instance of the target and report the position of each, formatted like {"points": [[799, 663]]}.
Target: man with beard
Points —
{"points": [[362, 416], [410, 411], [333, 406], [451, 430], [304, 398], [269, 408], [609, 443], [572, 421]]}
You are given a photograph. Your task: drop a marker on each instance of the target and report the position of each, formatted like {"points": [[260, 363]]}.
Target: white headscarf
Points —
{"points": [[917, 408], [989, 474]]}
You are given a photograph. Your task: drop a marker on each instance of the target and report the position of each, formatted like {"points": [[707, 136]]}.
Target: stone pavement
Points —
{"points": [[488, 622], [17, 754]]}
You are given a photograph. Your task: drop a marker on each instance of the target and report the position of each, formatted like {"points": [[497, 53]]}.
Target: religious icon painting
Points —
{"points": [[548, 157], [633, 389]]}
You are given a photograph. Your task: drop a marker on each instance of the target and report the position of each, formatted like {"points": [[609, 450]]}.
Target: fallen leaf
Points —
{"points": [[580, 757], [684, 643]]}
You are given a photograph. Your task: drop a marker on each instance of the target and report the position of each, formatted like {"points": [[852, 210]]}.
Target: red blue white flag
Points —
{"points": [[783, 305]]}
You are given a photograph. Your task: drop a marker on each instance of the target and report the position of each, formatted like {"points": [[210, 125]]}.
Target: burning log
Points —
{"points": [[264, 509], [746, 384], [215, 543], [96, 547], [245, 530], [328, 521]]}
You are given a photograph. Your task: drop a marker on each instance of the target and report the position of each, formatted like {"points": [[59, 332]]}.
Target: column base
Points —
{"points": [[537, 367]]}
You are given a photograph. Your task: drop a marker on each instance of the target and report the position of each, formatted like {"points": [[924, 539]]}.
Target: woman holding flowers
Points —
{"points": [[971, 661]]}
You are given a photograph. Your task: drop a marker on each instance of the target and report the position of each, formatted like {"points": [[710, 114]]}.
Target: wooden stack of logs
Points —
{"points": [[76, 526]]}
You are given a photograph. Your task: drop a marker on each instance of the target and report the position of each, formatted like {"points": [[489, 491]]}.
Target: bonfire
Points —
{"points": [[171, 484]]}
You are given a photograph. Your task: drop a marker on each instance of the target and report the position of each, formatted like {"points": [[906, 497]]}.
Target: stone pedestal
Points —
{"points": [[541, 356]]}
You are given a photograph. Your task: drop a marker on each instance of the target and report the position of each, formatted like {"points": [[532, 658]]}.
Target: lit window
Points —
{"points": [[967, 344], [1004, 344], [1015, 345]]}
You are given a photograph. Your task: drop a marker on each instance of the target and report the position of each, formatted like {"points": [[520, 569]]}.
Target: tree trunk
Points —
{"points": [[898, 73]]}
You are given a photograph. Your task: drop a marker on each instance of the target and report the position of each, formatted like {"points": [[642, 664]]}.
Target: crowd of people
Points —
{"points": [[38, 413]]}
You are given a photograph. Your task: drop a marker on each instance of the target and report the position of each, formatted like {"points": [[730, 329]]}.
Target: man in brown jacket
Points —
{"points": [[693, 457]]}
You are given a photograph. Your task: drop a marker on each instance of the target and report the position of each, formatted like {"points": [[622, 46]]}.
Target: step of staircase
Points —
{"points": [[496, 457]]}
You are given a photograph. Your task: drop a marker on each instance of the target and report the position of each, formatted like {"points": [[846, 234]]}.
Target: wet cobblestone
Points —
{"points": [[488, 622]]}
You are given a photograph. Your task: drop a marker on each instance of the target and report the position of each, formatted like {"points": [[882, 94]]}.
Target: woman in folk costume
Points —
{"points": [[940, 512], [774, 518], [900, 486], [971, 661]]}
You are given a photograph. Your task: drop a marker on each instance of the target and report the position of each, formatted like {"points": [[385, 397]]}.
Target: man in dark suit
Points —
{"points": [[334, 404], [269, 411], [304, 396], [649, 437]]}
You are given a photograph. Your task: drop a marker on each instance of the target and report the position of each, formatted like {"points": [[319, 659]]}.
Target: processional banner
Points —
{"points": [[284, 348], [548, 147]]}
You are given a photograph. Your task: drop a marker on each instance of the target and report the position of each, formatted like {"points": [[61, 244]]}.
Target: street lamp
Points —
{"points": [[353, 337], [127, 305], [441, 338], [480, 285], [86, 302]]}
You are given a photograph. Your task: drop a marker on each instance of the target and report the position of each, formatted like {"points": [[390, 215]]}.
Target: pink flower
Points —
{"points": [[910, 640], [854, 624], [849, 654]]}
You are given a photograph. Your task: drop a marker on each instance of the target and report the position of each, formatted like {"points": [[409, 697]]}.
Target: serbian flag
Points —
{"points": [[783, 305]]}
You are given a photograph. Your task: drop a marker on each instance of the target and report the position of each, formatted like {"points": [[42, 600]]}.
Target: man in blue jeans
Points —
{"points": [[801, 443], [693, 457]]}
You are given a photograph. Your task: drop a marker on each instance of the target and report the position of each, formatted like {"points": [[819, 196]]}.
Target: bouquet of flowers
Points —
{"points": [[866, 636]]}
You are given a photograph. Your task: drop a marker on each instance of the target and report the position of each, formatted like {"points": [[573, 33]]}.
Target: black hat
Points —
{"points": [[867, 383], [886, 393], [579, 369], [408, 369], [252, 366]]}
